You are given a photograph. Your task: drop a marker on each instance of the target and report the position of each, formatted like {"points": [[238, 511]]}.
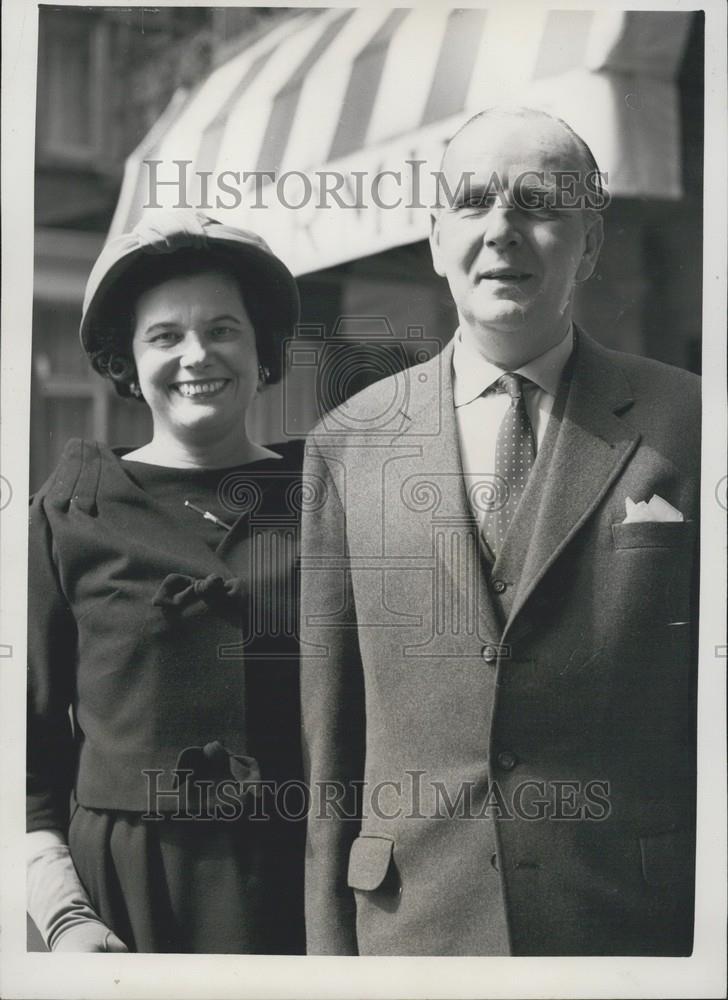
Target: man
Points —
{"points": [[497, 598]]}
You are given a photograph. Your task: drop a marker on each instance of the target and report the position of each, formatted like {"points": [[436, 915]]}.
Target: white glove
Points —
{"points": [[58, 903], [91, 935]]}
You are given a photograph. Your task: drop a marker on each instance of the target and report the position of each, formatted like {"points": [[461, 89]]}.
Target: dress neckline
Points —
{"points": [[191, 471]]}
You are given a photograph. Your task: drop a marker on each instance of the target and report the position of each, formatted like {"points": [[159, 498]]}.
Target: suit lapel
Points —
{"points": [[589, 445], [455, 538]]}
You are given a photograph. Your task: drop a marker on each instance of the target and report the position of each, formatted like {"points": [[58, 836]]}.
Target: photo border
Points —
{"points": [[31, 975]]}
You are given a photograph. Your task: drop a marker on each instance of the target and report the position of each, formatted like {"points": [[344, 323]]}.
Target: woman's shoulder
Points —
{"points": [[291, 453], [76, 475]]}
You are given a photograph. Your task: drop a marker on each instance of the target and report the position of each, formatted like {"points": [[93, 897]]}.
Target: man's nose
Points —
{"points": [[500, 228], [194, 350]]}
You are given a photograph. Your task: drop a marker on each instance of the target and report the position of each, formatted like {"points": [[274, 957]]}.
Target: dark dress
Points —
{"points": [[131, 626]]}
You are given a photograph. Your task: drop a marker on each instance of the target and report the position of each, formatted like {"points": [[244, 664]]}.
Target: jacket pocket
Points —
{"points": [[668, 859], [369, 862], [653, 534]]}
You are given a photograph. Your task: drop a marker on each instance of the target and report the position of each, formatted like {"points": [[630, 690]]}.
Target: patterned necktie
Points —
{"points": [[515, 451]]}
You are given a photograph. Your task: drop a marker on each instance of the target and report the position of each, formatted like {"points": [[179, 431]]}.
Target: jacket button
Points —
{"points": [[499, 586], [507, 760], [489, 654], [494, 861]]}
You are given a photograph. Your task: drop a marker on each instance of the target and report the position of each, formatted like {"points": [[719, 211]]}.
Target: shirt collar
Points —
{"points": [[474, 374]]}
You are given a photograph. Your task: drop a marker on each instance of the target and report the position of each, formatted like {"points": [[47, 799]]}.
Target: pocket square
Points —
{"points": [[656, 509]]}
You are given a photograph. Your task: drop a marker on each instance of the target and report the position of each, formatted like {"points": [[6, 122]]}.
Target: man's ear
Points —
{"points": [[435, 244], [593, 239]]}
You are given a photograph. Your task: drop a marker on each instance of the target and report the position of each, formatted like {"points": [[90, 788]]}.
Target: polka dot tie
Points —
{"points": [[515, 451]]}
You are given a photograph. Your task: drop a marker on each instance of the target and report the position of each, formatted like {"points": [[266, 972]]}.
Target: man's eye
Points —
{"points": [[540, 202], [221, 332], [481, 202], [545, 211]]}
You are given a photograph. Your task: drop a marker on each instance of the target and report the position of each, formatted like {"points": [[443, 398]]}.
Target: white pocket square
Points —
{"points": [[656, 509]]}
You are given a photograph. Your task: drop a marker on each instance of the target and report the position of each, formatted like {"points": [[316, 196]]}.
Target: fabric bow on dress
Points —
{"points": [[179, 592], [201, 771], [214, 762]]}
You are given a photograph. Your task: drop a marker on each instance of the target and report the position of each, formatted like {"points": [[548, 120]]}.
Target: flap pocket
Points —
{"points": [[369, 862], [668, 858], [652, 534]]}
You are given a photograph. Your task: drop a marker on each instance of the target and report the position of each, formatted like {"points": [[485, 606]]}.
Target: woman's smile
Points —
{"points": [[201, 388]]}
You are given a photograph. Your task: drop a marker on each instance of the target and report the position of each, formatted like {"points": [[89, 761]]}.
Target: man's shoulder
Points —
{"points": [[658, 401], [656, 376], [654, 382], [381, 408]]}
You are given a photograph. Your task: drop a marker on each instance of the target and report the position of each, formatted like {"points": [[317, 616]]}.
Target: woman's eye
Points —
{"points": [[165, 338]]}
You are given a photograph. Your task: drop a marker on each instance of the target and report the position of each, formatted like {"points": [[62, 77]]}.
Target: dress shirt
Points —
{"points": [[479, 412]]}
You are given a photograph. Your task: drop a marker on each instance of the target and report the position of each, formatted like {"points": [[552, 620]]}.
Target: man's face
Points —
{"points": [[510, 250]]}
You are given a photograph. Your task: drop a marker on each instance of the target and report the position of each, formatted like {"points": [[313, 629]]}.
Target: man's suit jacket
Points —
{"points": [[501, 757]]}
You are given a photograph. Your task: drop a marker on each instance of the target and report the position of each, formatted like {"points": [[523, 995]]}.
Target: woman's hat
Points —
{"points": [[166, 231]]}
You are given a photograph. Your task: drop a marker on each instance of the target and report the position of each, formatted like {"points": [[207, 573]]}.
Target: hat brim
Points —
{"points": [[261, 274]]}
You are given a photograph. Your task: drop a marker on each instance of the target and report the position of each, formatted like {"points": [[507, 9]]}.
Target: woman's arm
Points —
{"points": [[56, 900], [51, 750]]}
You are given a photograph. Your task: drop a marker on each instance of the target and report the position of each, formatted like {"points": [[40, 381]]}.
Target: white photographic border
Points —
{"points": [[31, 975]]}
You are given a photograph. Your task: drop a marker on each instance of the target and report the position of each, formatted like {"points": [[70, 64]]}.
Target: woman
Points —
{"points": [[162, 613]]}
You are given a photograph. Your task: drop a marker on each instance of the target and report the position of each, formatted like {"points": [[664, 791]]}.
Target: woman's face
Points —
{"points": [[195, 354]]}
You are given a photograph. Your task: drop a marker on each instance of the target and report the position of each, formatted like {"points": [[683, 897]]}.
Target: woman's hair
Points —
{"points": [[112, 355]]}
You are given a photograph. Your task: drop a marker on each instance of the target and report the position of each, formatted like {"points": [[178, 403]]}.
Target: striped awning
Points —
{"points": [[323, 135]]}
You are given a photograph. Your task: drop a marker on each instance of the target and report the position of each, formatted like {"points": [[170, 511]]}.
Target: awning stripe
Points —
{"points": [[365, 90], [212, 135], [285, 103], [134, 189], [324, 92], [361, 93], [407, 75], [455, 63], [564, 42]]}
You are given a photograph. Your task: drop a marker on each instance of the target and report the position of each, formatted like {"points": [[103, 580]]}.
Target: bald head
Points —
{"points": [[563, 149], [582, 153]]}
